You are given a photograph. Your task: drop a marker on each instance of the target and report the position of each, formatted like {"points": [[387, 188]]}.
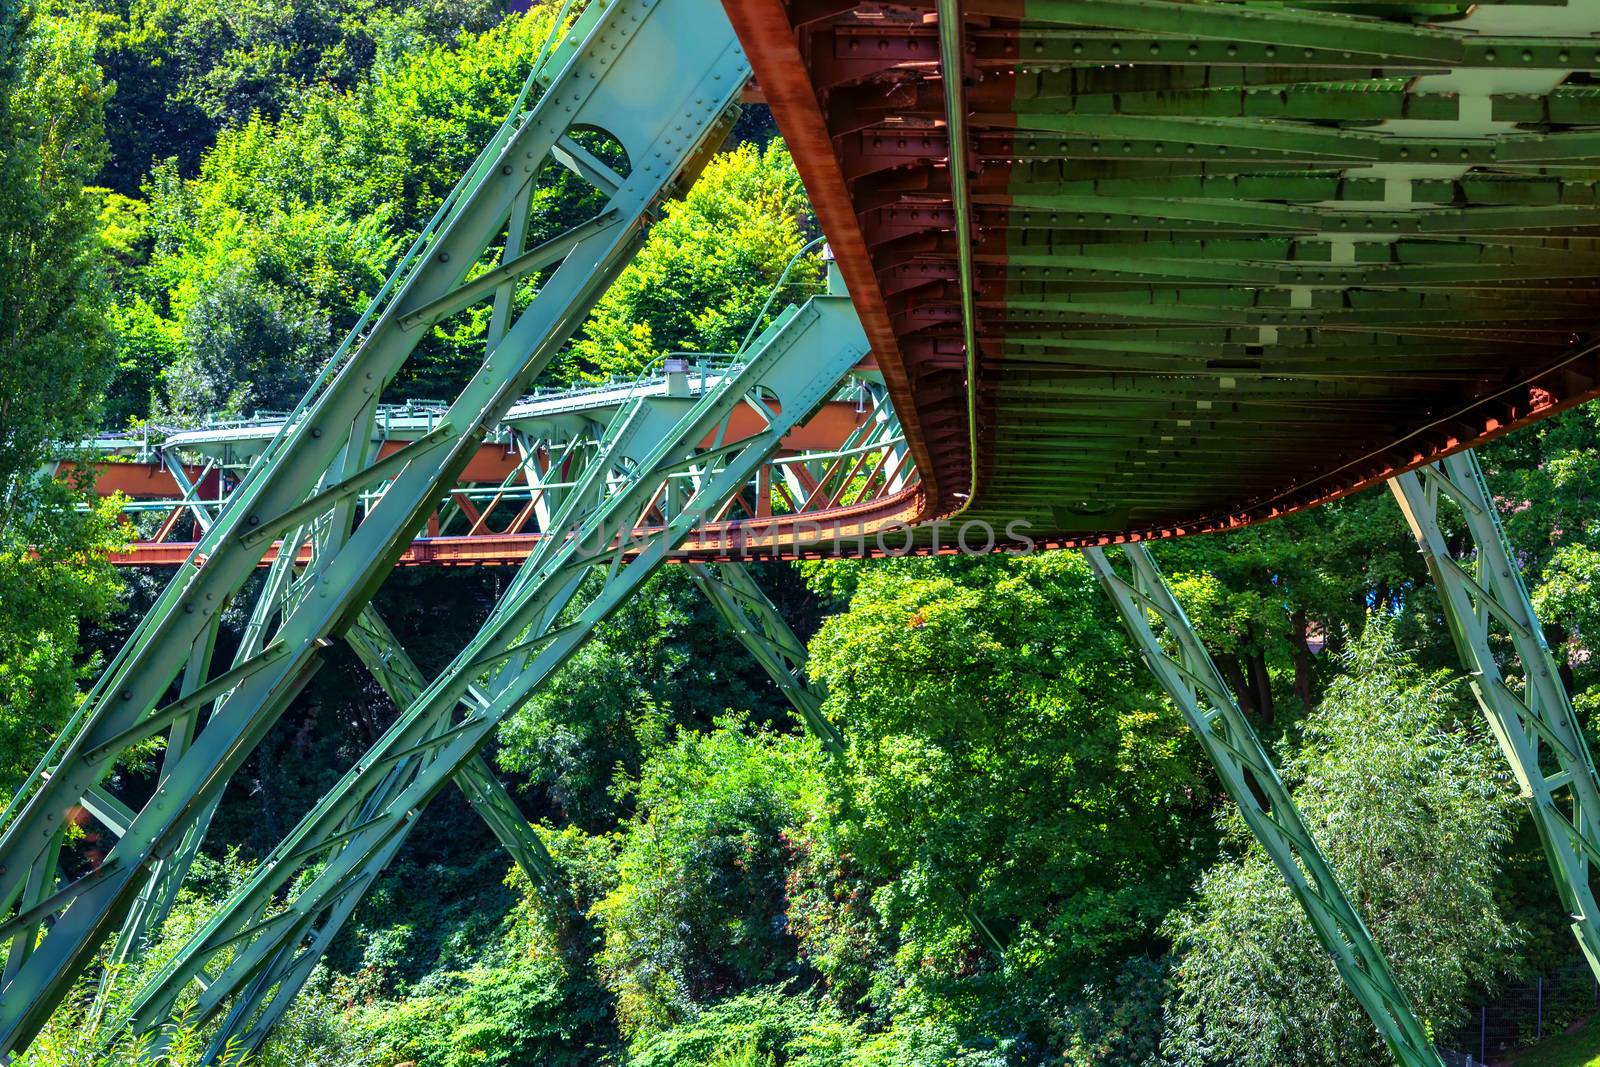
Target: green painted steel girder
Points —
{"points": [[1321, 186], [1235, 23], [755, 622], [263, 999], [1480, 588], [1188, 674], [1041, 45], [679, 56], [354, 830], [1332, 103]]}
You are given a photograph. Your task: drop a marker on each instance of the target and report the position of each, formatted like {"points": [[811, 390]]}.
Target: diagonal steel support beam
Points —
{"points": [[264, 940], [1184, 668], [755, 621], [262, 1003], [1486, 607], [381, 652], [660, 76]]}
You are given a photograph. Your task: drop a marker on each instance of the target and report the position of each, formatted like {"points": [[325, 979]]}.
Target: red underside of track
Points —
{"points": [[856, 91]]}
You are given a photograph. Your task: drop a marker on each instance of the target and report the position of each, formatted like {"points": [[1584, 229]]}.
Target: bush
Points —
{"points": [[1412, 807]]}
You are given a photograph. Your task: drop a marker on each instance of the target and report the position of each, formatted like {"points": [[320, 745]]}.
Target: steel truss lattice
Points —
{"points": [[266, 937], [1186, 671], [753, 619], [661, 78], [1492, 620]]}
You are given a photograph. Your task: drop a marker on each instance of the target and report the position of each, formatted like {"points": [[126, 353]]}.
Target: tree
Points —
{"points": [[55, 356], [698, 909], [702, 277], [185, 70], [1544, 479], [289, 224], [1269, 598], [665, 660], [52, 293], [1010, 775], [1412, 806]]}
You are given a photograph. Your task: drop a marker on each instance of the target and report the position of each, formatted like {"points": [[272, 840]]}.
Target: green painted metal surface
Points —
{"points": [[1206, 229], [1486, 608], [660, 78], [262, 938], [1186, 671], [753, 619]]}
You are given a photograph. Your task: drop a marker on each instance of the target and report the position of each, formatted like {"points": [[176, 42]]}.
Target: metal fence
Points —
{"points": [[1524, 1013]]}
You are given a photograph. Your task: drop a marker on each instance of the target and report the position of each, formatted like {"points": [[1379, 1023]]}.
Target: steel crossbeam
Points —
{"points": [[1489, 615], [851, 456], [565, 588], [375, 645], [751, 617], [660, 77], [754, 620], [1186, 671]]}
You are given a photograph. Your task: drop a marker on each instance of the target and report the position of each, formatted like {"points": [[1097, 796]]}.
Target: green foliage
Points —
{"points": [[240, 280], [53, 575], [1545, 481], [698, 909], [701, 278], [664, 659], [1266, 598], [988, 876], [1118, 1023], [84, 1034], [1006, 768], [1412, 806], [55, 363], [186, 70], [775, 1026], [526, 1012], [52, 292]]}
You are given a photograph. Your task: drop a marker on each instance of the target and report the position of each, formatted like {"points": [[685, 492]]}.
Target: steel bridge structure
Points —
{"points": [[1106, 271], [846, 458]]}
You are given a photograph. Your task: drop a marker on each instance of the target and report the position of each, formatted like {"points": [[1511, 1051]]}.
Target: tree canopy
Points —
{"points": [[1019, 858]]}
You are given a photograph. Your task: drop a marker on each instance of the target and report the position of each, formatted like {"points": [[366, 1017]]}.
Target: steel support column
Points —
{"points": [[1184, 668], [756, 623], [566, 587], [658, 76], [1487, 608]]}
